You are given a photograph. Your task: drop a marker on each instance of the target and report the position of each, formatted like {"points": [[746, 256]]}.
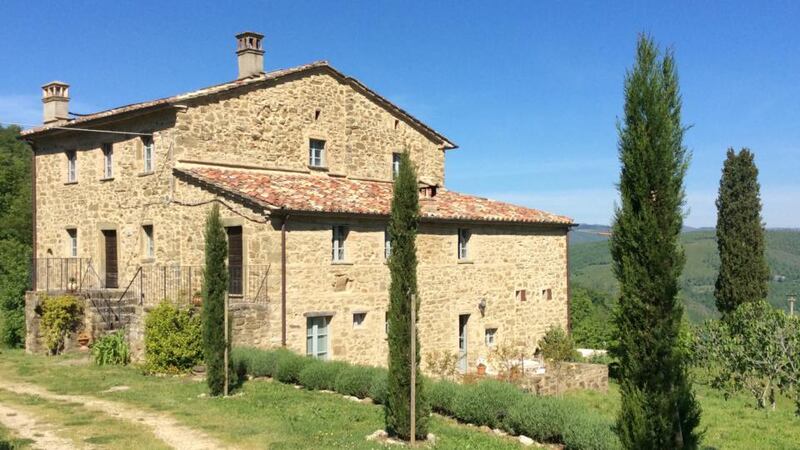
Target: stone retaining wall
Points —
{"points": [[569, 377]]}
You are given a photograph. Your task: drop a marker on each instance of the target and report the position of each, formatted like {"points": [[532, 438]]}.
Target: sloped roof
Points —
{"points": [[333, 195], [87, 119]]}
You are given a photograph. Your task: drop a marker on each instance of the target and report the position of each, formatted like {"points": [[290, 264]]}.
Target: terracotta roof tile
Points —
{"points": [[325, 194]]}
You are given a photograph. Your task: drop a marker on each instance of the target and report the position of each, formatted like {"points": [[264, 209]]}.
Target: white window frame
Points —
{"points": [[72, 166], [338, 240], [314, 332], [148, 154], [490, 337], [464, 236], [72, 236], [396, 157], [316, 155], [149, 241], [108, 161]]}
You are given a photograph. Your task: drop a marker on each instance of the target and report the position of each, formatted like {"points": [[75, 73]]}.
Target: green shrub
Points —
{"points": [[486, 403], [557, 345], [442, 395], [172, 339], [355, 381], [539, 418], [111, 349], [379, 386], [321, 375], [255, 362], [288, 366], [60, 315], [586, 431]]}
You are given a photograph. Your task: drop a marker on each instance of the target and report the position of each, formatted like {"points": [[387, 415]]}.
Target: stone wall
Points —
{"points": [[569, 377]]}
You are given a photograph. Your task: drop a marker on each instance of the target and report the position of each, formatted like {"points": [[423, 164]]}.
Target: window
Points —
{"points": [[463, 243], [490, 336], [149, 242], [358, 319], [337, 242], [317, 336], [547, 294], [395, 164], [147, 154], [387, 244], [386, 323], [522, 295], [72, 167], [316, 153], [108, 161], [72, 242]]}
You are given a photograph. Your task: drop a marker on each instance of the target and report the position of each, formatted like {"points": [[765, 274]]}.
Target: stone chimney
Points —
{"points": [[250, 54], [55, 96]]}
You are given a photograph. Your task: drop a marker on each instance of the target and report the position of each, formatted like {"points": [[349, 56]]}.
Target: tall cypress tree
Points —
{"points": [[743, 270], [215, 287], [658, 407], [403, 268]]}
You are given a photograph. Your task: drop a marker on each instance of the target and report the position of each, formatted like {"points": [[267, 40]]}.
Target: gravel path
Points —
{"points": [[28, 427], [165, 427]]}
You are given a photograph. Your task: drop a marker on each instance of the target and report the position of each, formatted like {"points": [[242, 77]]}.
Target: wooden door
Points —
{"points": [[112, 267], [235, 261]]}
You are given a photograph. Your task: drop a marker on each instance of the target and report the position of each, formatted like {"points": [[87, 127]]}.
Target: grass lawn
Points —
{"points": [[733, 424], [264, 415]]}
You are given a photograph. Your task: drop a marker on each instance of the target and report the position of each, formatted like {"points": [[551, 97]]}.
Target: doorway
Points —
{"points": [[462, 342], [111, 264], [235, 261]]}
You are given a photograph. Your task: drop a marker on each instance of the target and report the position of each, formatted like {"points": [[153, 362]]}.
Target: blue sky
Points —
{"points": [[531, 91]]}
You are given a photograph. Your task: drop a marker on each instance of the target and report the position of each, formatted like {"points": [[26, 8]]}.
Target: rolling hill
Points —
{"points": [[590, 266]]}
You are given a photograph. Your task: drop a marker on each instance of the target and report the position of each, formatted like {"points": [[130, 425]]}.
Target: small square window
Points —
{"points": [[316, 153], [358, 319], [108, 161], [463, 243], [337, 242], [547, 294], [491, 333], [72, 166], [522, 295]]}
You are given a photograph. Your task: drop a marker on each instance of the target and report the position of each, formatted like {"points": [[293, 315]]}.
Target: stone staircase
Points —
{"points": [[106, 312]]}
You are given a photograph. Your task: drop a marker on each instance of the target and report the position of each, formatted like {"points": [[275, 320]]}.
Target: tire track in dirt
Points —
{"points": [[28, 427], [164, 426]]}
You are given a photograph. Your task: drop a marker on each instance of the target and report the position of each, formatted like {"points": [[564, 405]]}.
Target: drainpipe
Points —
{"points": [[283, 280]]}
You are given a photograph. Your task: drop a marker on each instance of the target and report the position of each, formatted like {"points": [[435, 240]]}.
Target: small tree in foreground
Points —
{"points": [[403, 268], [658, 408], [215, 287], [743, 270], [756, 349]]}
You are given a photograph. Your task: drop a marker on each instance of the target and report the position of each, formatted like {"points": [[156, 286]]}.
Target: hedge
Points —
{"points": [[492, 403]]}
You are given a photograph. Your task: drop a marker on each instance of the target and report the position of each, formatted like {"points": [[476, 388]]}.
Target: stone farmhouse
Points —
{"points": [[301, 161]]}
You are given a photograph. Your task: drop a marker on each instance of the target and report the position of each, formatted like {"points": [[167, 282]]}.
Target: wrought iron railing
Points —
{"points": [[184, 284], [62, 274]]}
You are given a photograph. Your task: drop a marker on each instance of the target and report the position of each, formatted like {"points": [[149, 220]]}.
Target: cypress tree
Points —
{"points": [[743, 270], [658, 408], [403, 268], [215, 287]]}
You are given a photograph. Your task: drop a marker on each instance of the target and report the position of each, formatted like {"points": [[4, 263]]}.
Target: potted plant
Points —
{"points": [[83, 340], [197, 299], [72, 284]]}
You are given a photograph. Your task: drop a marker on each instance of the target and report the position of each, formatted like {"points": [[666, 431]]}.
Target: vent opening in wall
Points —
{"points": [[521, 295], [396, 123], [316, 114], [358, 319], [547, 294]]}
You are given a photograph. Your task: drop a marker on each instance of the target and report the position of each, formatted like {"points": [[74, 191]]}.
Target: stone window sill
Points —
{"points": [[319, 168], [68, 183], [107, 179], [148, 260], [466, 261], [147, 174], [341, 263]]}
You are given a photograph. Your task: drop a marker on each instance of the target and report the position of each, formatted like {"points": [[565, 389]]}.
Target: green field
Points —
{"points": [[590, 267]]}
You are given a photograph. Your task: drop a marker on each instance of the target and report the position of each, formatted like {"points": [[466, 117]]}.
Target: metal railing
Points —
{"points": [[62, 274], [184, 284]]}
